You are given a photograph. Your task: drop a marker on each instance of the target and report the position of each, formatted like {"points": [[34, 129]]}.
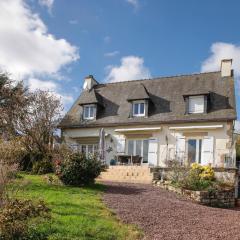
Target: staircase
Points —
{"points": [[129, 174]]}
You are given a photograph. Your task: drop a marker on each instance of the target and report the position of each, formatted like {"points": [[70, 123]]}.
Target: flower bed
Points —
{"points": [[224, 198]]}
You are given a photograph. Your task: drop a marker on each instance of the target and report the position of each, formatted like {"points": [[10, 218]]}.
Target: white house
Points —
{"points": [[189, 118]]}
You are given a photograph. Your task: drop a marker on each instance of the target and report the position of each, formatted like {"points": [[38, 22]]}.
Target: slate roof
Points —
{"points": [[167, 103], [90, 97], [139, 92]]}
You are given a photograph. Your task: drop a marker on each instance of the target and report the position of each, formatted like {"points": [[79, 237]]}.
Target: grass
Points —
{"points": [[77, 213]]}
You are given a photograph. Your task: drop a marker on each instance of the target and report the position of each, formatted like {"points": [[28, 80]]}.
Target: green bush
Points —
{"points": [[77, 169], [42, 167], [18, 217]]}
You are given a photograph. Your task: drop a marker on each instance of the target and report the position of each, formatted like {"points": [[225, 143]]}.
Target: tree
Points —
{"points": [[39, 122], [14, 98]]}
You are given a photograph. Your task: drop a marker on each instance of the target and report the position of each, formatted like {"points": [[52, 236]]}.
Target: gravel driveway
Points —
{"points": [[165, 215]]}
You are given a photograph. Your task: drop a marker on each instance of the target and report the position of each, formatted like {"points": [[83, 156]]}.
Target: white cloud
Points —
{"points": [[131, 68], [111, 54], [26, 47], [219, 51], [35, 84], [134, 3], [46, 3]]}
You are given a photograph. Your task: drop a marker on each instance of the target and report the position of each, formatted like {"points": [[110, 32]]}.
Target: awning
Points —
{"points": [[198, 127], [135, 130]]}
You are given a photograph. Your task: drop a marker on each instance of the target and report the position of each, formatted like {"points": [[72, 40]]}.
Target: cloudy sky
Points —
{"points": [[54, 44]]}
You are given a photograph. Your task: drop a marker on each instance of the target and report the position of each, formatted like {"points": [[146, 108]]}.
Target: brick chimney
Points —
{"points": [[89, 82], [226, 68]]}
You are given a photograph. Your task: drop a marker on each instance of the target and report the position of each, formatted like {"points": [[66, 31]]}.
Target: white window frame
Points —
{"points": [[88, 117], [134, 147], [197, 159], [139, 107], [94, 148], [192, 98]]}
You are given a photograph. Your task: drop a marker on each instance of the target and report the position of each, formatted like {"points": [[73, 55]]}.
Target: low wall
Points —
{"points": [[228, 175], [223, 198]]}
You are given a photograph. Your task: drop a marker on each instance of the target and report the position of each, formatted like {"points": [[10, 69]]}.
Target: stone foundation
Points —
{"points": [[223, 198]]}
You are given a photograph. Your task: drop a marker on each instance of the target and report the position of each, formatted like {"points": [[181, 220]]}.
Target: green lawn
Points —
{"points": [[77, 213]]}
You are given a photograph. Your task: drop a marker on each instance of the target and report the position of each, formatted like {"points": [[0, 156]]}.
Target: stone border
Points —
{"points": [[222, 199]]}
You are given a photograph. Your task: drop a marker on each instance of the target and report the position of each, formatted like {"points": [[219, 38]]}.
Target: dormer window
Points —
{"points": [[138, 108], [196, 104], [89, 112]]}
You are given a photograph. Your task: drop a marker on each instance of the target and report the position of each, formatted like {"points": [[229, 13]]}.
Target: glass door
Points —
{"points": [[138, 147], [194, 150]]}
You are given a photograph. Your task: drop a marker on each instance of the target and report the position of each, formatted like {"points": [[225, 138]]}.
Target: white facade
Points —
{"points": [[212, 142]]}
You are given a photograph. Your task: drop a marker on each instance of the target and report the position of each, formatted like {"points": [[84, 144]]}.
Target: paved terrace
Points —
{"points": [[164, 215]]}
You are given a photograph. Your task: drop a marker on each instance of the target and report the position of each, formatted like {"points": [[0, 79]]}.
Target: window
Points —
{"points": [[196, 104], [139, 109], [139, 147], [89, 149], [89, 111], [194, 150]]}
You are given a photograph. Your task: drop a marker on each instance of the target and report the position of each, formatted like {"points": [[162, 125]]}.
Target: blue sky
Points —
{"points": [[115, 40]]}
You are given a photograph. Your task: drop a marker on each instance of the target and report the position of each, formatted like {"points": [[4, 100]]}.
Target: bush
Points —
{"points": [[42, 167], [77, 169], [17, 217], [198, 178]]}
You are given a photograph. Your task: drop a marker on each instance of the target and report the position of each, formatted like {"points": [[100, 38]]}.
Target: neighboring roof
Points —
{"points": [[167, 101], [139, 92], [90, 97]]}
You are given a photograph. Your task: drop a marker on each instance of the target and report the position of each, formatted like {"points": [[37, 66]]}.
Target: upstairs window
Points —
{"points": [[139, 108], [89, 112], [196, 104]]}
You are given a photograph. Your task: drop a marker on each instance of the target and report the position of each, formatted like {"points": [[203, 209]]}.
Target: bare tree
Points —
{"points": [[39, 122]]}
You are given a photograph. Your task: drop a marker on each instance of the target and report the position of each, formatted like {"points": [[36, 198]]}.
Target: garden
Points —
{"points": [[47, 191]]}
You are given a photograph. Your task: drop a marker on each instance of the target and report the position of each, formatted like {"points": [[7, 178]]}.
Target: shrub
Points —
{"points": [[77, 169], [17, 217], [198, 178], [42, 167]]}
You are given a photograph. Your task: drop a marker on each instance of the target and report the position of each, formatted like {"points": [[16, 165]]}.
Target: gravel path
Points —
{"points": [[164, 215]]}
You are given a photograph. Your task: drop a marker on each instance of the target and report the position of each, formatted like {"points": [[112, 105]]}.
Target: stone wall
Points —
{"points": [[223, 198]]}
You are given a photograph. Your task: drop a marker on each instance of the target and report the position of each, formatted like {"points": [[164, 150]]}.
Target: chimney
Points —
{"points": [[89, 82], [226, 68]]}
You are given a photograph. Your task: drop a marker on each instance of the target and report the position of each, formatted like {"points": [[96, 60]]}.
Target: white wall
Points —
{"points": [[222, 139]]}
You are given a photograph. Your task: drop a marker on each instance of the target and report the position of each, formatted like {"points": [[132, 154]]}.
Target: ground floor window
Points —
{"points": [[138, 147], [89, 149], [194, 150]]}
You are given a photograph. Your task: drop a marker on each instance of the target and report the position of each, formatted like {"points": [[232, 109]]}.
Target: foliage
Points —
{"points": [[78, 169], [198, 178], [178, 172], [238, 148], [42, 167], [14, 98], [77, 213], [16, 218]]}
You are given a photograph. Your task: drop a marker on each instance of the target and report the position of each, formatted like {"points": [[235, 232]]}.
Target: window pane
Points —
{"points": [[86, 112], [192, 144], [145, 151], [83, 149], [200, 151], [139, 147], [130, 147], [141, 108], [196, 104], [135, 111], [91, 111], [90, 149]]}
